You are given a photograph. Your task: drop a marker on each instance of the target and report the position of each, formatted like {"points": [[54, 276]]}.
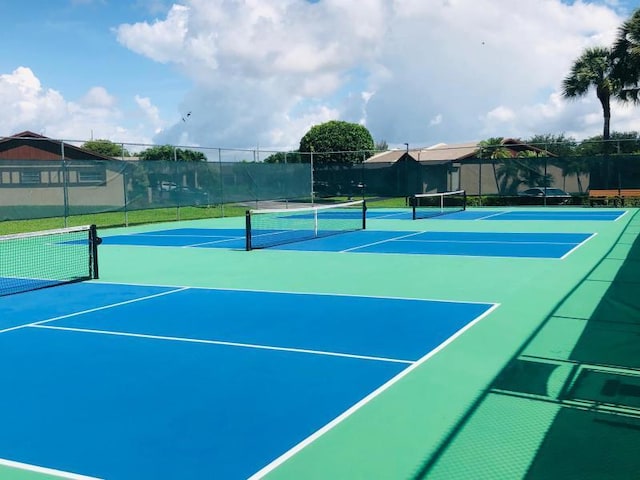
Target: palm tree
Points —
{"points": [[493, 149], [574, 165], [531, 172], [593, 69], [625, 56]]}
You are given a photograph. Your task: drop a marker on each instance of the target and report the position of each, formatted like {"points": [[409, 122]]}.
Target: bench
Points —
{"points": [[616, 196]]}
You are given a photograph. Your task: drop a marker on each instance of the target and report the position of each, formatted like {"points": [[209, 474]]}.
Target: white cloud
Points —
{"points": [[264, 71], [26, 105], [29, 106], [98, 97], [430, 69], [162, 40], [151, 113]]}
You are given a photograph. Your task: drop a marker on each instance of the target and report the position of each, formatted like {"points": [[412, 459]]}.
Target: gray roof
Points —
{"points": [[436, 153]]}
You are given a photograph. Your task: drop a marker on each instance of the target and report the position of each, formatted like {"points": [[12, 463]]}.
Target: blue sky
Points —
{"points": [[262, 72]]}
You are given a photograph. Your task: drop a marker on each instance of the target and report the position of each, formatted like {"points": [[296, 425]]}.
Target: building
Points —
{"points": [[42, 177], [469, 166]]}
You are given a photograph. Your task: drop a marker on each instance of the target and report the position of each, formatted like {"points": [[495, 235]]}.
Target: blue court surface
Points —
{"points": [[604, 215], [560, 214], [477, 244], [124, 381]]}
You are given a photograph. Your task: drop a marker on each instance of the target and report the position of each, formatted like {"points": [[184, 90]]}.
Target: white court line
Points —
{"points": [[491, 242], [227, 344], [46, 471], [289, 292], [168, 235], [387, 240], [314, 436], [492, 215], [213, 242], [387, 215], [104, 307], [620, 216], [576, 247]]}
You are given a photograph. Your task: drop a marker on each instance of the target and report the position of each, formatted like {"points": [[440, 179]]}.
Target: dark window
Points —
{"points": [[30, 176], [93, 176]]}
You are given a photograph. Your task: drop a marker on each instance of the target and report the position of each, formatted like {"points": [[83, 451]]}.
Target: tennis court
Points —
{"points": [[192, 358], [526, 245]]}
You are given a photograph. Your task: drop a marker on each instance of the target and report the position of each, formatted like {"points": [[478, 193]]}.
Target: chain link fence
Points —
{"points": [[41, 177]]}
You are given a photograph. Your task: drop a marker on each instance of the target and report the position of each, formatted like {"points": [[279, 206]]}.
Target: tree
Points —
{"points": [[176, 167], [171, 154], [338, 142], [625, 56], [532, 169], [106, 148], [593, 69], [558, 145], [506, 175], [283, 157]]}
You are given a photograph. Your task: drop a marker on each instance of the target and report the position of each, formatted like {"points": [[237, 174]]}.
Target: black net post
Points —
{"points": [[247, 217], [94, 241], [364, 215]]}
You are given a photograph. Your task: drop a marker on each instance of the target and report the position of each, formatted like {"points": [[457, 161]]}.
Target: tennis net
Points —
{"points": [[30, 261], [271, 227], [427, 205]]}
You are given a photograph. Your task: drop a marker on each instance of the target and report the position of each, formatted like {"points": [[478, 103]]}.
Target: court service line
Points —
{"points": [[90, 310], [347, 413], [227, 344], [387, 240], [46, 471]]}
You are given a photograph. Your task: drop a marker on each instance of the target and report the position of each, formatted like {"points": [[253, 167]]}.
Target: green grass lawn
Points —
{"points": [[139, 217], [119, 219]]}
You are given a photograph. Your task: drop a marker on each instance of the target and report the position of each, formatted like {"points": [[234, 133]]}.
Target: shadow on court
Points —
{"points": [[568, 405]]}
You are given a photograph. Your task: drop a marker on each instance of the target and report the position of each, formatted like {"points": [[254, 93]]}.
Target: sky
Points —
{"points": [[258, 74]]}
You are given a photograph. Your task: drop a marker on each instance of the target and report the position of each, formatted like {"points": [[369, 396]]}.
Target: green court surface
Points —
{"points": [[547, 386]]}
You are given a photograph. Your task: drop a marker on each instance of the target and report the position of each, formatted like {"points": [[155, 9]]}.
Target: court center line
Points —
{"points": [[104, 307], [25, 467], [228, 344]]}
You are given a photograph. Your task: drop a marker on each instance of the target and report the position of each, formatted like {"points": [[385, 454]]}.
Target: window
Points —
{"points": [[93, 176], [30, 176]]}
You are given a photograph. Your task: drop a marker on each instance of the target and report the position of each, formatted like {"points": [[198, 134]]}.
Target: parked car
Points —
{"points": [[189, 196], [554, 196], [165, 186]]}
